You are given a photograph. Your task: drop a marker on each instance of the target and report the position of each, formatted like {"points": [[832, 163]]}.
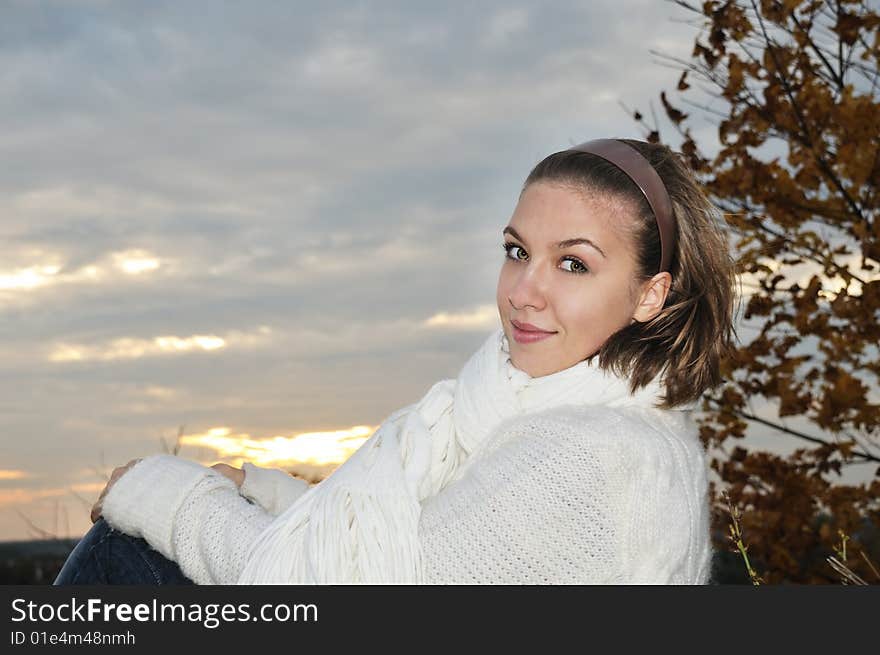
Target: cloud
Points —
{"points": [[483, 317], [27, 284], [505, 25], [19, 496], [29, 278], [341, 66], [13, 474], [135, 262], [134, 348], [181, 177]]}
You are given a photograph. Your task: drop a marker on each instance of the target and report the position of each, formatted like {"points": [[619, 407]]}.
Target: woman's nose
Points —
{"points": [[527, 290]]}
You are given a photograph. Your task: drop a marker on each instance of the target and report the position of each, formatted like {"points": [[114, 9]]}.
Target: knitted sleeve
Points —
{"points": [[669, 533], [190, 513], [561, 498]]}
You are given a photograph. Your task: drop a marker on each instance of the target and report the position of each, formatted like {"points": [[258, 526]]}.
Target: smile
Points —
{"points": [[526, 336]]}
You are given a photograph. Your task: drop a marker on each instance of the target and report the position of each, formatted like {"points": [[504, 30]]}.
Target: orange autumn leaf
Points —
{"points": [[796, 172]]}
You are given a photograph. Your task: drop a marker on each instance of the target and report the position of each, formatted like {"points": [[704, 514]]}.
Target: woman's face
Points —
{"points": [[579, 292]]}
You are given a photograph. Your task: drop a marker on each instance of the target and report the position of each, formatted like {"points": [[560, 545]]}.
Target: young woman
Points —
{"points": [[564, 451]]}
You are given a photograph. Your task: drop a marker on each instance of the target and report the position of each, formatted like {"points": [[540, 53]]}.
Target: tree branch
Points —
{"points": [[808, 138], [795, 433]]}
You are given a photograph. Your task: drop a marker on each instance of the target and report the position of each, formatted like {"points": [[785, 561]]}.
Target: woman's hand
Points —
{"points": [[234, 474], [117, 473]]}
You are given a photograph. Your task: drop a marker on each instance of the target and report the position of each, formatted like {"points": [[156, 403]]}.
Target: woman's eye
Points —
{"points": [[512, 246], [577, 265]]}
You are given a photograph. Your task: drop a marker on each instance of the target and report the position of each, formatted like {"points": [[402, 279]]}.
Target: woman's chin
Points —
{"points": [[527, 367]]}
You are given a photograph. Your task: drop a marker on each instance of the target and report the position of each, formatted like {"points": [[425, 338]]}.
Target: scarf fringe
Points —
{"points": [[360, 524], [378, 544]]}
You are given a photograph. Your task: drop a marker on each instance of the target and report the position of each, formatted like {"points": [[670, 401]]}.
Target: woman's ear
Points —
{"points": [[652, 297]]}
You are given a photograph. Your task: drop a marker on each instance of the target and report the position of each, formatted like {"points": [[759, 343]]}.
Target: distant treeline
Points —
{"points": [[33, 562]]}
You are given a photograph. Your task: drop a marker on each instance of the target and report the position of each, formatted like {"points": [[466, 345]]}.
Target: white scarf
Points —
{"points": [[360, 524]]}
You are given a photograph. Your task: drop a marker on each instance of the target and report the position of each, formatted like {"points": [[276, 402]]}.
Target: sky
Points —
{"points": [[263, 227]]}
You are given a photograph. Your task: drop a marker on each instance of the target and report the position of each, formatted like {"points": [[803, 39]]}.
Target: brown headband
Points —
{"points": [[640, 171]]}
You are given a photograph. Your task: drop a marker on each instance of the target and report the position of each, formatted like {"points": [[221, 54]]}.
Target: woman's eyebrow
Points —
{"points": [[562, 244]]}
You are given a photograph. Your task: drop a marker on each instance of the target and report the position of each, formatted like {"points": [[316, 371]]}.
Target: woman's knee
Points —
{"points": [[83, 564], [108, 556]]}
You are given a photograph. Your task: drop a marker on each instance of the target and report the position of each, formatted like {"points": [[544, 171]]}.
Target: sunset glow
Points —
{"points": [[134, 262], [318, 448], [12, 474]]}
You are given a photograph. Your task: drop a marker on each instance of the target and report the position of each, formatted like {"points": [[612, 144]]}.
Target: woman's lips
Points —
{"points": [[528, 336]]}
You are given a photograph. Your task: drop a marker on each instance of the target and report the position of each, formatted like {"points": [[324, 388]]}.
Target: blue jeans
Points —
{"points": [[106, 556]]}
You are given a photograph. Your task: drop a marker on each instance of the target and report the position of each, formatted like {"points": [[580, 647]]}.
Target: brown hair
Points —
{"points": [[686, 341]]}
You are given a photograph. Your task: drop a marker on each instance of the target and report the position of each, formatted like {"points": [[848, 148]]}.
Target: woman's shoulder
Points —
{"points": [[629, 434], [596, 423]]}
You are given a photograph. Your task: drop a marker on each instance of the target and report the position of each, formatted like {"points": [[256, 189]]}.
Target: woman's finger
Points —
{"points": [[234, 474]]}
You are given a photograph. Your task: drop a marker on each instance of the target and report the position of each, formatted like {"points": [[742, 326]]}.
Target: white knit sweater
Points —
{"points": [[573, 495]]}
